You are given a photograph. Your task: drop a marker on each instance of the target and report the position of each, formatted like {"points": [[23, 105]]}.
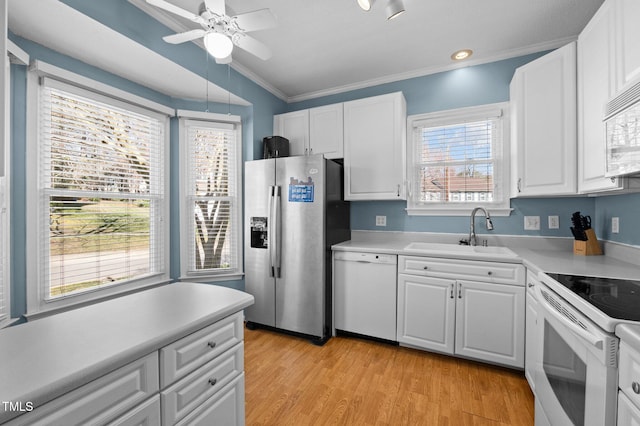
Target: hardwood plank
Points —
{"points": [[352, 381]]}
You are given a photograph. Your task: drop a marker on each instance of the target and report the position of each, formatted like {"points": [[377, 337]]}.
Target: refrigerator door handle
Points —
{"points": [[277, 231], [271, 232]]}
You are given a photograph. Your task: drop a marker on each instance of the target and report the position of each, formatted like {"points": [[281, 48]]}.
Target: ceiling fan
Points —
{"points": [[221, 31]]}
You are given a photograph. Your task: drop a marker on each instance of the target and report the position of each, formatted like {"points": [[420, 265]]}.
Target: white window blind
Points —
{"points": [[101, 185], [212, 190], [458, 159]]}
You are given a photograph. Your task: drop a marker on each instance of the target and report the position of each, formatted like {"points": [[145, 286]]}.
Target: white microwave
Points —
{"points": [[622, 122]]}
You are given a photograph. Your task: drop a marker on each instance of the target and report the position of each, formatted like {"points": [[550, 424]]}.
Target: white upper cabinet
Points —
{"points": [[543, 141], [326, 132], [295, 127], [627, 38], [374, 148], [312, 131], [608, 59], [595, 87]]}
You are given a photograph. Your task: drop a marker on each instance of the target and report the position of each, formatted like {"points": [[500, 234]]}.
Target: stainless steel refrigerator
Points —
{"points": [[294, 212]]}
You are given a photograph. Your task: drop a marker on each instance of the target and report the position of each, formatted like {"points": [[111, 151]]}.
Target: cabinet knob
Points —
{"points": [[211, 344], [213, 381], [636, 387], [425, 268], [489, 273]]}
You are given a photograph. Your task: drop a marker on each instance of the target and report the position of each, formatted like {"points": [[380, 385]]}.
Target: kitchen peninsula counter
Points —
{"points": [[46, 358]]}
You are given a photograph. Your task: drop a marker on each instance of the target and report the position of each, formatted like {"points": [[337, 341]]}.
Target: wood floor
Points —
{"points": [[351, 381]]}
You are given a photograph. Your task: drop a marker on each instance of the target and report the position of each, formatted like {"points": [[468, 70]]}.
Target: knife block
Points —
{"points": [[591, 247]]}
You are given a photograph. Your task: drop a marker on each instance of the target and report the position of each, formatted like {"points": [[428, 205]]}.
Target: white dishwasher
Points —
{"points": [[364, 293]]}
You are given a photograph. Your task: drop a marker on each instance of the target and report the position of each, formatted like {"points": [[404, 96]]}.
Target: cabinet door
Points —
{"points": [[426, 312], [490, 322], [374, 140], [226, 408], [295, 127], [326, 133], [595, 87], [544, 130], [627, 38]]}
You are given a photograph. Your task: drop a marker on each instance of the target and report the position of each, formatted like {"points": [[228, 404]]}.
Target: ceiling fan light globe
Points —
{"points": [[218, 45], [365, 4], [394, 9]]}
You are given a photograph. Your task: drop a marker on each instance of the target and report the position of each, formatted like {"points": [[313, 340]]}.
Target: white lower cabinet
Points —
{"points": [[100, 401], [426, 312], [202, 383], [468, 308], [145, 414], [225, 408]]}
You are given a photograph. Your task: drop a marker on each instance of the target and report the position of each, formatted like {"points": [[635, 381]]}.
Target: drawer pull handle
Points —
{"points": [[213, 381], [636, 387], [211, 344], [531, 285]]}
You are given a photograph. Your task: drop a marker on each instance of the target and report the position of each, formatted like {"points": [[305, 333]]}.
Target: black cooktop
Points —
{"points": [[615, 297]]}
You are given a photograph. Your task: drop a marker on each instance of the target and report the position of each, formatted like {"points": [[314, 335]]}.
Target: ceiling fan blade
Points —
{"points": [[226, 60], [216, 6], [253, 46], [185, 36], [162, 4], [256, 20]]}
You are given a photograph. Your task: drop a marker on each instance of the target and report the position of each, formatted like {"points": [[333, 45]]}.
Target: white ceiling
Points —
{"points": [[320, 47], [328, 46]]}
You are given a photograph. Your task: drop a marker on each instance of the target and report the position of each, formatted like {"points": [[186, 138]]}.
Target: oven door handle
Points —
{"points": [[573, 327]]}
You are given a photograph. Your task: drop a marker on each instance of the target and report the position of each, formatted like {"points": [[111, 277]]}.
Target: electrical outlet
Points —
{"points": [[615, 225], [381, 221], [532, 223], [554, 222]]}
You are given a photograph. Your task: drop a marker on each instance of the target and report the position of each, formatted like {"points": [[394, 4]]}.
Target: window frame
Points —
{"points": [[452, 117], [187, 118], [37, 303]]}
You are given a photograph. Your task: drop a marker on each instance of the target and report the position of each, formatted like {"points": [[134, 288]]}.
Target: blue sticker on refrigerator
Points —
{"points": [[301, 191]]}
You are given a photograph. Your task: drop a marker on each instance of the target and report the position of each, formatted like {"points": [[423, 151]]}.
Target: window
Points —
{"points": [[99, 178], [211, 192], [458, 160]]}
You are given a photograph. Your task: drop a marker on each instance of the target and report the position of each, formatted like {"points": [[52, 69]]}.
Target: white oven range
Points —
{"points": [[576, 358]]}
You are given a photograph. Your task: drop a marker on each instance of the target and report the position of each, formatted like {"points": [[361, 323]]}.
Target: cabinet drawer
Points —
{"points": [[145, 414], [496, 272], [628, 414], [225, 408], [185, 355], [630, 373], [101, 400], [187, 394]]}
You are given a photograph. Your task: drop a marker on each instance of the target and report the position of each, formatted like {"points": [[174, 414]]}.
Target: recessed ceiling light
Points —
{"points": [[461, 54]]}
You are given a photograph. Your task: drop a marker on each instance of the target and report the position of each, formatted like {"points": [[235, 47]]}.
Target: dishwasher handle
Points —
{"points": [[364, 257]]}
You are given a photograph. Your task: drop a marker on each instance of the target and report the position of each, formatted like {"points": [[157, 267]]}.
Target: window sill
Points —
{"points": [[210, 278], [460, 211]]}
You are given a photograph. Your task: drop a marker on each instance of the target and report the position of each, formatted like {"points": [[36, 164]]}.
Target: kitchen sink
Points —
{"points": [[497, 253]]}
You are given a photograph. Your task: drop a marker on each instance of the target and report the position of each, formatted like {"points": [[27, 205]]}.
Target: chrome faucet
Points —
{"points": [[472, 229]]}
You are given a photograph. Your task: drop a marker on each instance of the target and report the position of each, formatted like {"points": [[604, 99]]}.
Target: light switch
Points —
{"points": [[615, 225], [381, 221], [554, 222], [532, 223]]}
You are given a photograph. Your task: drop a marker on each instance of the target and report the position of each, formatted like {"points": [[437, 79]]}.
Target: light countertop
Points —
{"points": [[45, 358]]}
